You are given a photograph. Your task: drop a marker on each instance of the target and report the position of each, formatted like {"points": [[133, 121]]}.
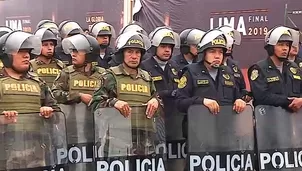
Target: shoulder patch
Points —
{"points": [[145, 75], [300, 64], [182, 82], [293, 70], [254, 74]]}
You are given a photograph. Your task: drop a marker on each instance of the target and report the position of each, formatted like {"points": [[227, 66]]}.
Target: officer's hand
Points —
{"points": [[123, 107], [46, 112], [85, 98], [152, 107], [212, 105], [295, 104], [239, 106], [10, 117]]}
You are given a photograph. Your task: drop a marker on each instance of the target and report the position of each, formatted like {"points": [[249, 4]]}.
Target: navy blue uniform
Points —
{"points": [[65, 58], [270, 87], [165, 81], [238, 76], [197, 84], [104, 62], [181, 61]]}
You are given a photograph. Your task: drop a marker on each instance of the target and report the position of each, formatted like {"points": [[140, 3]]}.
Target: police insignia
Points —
{"points": [[293, 70], [254, 74], [174, 71], [300, 64], [235, 69], [182, 82], [226, 76]]}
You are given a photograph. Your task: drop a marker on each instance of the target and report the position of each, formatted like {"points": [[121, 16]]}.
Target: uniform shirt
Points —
{"points": [[165, 81], [107, 96], [270, 87], [181, 61], [197, 84], [47, 98], [104, 61]]}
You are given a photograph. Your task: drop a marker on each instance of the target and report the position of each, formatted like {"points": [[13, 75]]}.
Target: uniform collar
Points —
{"points": [[139, 71], [41, 62]]}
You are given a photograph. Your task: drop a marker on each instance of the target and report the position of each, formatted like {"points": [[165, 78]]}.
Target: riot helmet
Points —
{"points": [[234, 34], [134, 26], [84, 43], [101, 29], [11, 43], [69, 28], [131, 39], [189, 37], [48, 24], [46, 34], [212, 39], [276, 35], [163, 36], [4, 30]]}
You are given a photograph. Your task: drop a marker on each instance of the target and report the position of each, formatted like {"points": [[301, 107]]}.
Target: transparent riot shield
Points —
{"points": [[133, 143], [80, 136], [220, 142], [32, 142], [279, 142], [175, 141]]}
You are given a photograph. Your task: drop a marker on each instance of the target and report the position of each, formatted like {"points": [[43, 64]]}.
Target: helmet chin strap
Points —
{"points": [[215, 66]]}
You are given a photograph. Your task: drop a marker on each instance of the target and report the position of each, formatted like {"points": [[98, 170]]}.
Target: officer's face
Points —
{"points": [[214, 55], [294, 51], [78, 57], [48, 48], [164, 52], [132, 57], [103, 40], [281, 49], [193, 49], [21, 60]]}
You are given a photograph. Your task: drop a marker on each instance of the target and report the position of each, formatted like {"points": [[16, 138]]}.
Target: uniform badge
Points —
{"points": [[174, 71], [235, 69], [254, 74], [182, 82], [293, 70], [226, 76], [300, 64]]}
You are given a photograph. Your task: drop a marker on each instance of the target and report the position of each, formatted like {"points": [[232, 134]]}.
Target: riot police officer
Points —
{"points": [[235, 39], [189, 38], [126, 85], [103, 32], [23, 92], [76, 83], [67, 29], [134, 26], [209, 82], [293, 54], [275, 80], [45, 65], [3, 31]]}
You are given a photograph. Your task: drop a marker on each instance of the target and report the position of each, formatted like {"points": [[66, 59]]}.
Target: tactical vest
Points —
{"points": [[23, 96], [78, 82], [47, 72], [135, 92]]}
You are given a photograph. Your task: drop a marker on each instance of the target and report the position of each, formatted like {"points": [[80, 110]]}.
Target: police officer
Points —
{"points": [[23, 92], [77, 82], [234, 38], [103, 32], [276, 81], [134, 26], [209, 82], [130, 48], [189, 38], [67, 29], [3, 31], [293, 54], [45, 65]]}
